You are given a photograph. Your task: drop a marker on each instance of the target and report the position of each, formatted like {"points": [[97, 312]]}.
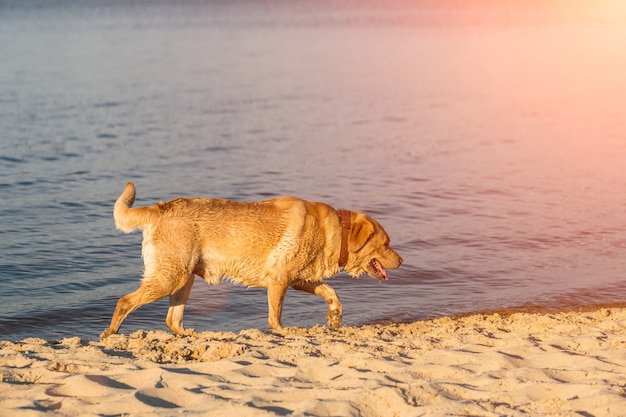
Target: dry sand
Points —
{"points": [[571, 364]]}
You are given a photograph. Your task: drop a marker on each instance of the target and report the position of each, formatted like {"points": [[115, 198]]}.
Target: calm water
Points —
{"points": [[489, 140]]}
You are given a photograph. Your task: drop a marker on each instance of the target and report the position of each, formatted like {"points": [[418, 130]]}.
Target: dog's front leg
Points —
{"points": [[321, 289], [275, 296], [178, 301]]}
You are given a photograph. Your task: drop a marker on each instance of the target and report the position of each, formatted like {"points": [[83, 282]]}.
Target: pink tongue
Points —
{"points": [[380, 269]]}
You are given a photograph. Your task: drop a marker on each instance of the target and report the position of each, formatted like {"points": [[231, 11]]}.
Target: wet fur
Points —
{"points": [[274, 244]]}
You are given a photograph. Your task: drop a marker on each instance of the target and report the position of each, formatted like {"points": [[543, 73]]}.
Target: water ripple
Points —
{"points": [[495, 197]]}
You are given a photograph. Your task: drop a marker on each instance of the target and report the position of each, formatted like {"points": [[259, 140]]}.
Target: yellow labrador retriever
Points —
{"points": [[274, 244]]}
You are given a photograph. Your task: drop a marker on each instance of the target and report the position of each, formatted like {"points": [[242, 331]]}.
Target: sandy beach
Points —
{"points": [[565, 363]]}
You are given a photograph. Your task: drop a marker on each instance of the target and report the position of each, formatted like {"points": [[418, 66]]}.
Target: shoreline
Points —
{"points": [[518, 363]]}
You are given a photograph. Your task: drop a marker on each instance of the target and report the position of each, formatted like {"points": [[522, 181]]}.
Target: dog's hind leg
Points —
{"points": [[148, 292], [168, 278], [335, 310], [178, 301]]}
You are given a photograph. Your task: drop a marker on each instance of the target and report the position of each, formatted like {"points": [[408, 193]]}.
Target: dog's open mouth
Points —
{"points": [[378, 271]]}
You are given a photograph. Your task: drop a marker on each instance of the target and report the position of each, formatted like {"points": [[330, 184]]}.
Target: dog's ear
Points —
{"points": [[362, 229]]}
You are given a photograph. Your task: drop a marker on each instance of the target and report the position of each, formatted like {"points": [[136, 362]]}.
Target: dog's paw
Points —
{"points": [[282, 331], [106, 333], [188, 333], [334, 318]]}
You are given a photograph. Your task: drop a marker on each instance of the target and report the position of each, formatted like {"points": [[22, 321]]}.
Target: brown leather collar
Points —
{"points": [[344, 219]]}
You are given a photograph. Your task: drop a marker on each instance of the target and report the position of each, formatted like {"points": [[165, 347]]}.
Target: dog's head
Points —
{"points": [[368, 249]]}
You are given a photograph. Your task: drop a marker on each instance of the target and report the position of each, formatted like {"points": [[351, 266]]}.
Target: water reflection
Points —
{"points": [[487, 138]]}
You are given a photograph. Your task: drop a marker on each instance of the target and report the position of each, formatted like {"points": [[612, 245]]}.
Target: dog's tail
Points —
{"points": [[128, 218]]}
